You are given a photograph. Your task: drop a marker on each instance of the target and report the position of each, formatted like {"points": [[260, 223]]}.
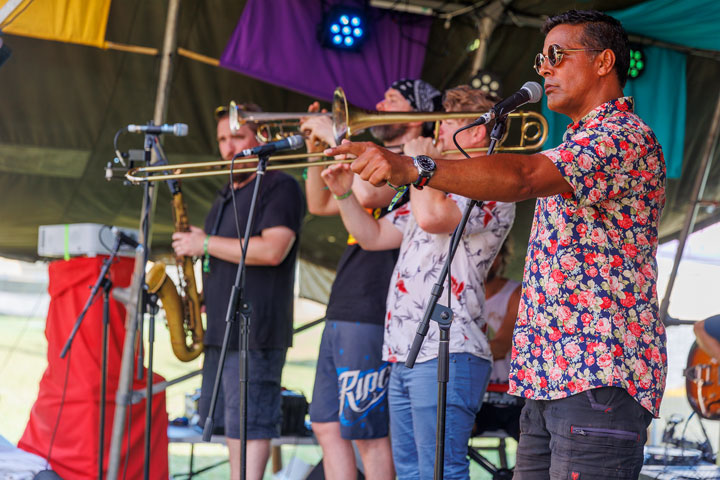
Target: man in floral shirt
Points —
{"points": [[588, 349]]}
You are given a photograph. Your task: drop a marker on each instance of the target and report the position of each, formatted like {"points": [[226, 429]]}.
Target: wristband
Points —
{"points": [[343, 196], [206, 255], [400, 192]]}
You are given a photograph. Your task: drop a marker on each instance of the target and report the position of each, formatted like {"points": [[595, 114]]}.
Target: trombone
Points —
{"points": [[346, 122]]}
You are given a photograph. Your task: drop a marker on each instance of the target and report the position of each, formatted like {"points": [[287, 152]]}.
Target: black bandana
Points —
{"points": [[422, 96]]}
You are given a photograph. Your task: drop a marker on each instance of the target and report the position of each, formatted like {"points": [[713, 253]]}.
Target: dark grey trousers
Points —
{"points": [[597, 434]]}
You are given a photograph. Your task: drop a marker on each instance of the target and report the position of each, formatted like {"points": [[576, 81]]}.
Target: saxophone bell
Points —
{"points": [[182, 310], [183, 326]]}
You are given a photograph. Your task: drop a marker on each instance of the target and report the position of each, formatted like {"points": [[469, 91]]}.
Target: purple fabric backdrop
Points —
{"points": [[275, 41]]}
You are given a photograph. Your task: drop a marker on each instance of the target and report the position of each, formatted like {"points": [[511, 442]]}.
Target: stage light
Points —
{"points": [[637, 62], [343, 28], [488, 82]]}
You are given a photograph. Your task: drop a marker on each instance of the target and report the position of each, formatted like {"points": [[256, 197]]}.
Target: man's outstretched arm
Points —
{"points": [[503, 177]]}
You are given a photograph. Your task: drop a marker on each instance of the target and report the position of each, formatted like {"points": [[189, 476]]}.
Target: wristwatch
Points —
{"points": [[426, 169]]}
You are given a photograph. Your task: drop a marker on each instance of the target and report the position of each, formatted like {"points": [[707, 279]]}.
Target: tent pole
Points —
{"points": [[697, 193], [124, 391], [486, 21], [485, 27]]}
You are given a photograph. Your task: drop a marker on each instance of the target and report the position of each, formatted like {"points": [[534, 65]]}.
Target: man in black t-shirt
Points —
{"points": [[349, 401], [269, 280]]}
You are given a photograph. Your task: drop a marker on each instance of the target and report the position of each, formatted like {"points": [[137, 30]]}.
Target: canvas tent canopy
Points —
{"points": [[62, 100]]}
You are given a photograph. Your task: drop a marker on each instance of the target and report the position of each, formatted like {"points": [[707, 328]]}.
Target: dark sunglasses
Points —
{"points": [[221, 111], [555, 55]]}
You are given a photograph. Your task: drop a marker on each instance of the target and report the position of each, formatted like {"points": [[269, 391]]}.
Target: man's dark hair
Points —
{"points": [[600, 31]]}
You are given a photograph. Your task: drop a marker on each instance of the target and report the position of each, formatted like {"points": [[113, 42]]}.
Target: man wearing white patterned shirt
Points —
{"points": [[422, 229]]}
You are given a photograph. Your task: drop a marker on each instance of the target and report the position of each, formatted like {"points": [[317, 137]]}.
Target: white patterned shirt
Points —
{"points": [[421, 260]]}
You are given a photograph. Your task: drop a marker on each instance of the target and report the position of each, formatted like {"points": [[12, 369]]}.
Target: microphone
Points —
{"points": [[177, 129], [289, 143], [531, 92], [125, 238]]}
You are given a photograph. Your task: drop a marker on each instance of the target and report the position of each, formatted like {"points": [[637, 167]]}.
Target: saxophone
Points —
{"points": [[182, 311]]}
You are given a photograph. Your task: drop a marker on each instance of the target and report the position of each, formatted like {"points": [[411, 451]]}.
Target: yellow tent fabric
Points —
{"points": [[73, 21]]}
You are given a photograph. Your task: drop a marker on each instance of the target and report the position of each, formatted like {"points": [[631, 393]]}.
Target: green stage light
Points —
{"points": [[637, 62]]}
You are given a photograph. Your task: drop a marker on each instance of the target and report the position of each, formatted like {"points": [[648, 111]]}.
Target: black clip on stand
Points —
{"points": [[443, 316], [102, 281], [238, 305]]}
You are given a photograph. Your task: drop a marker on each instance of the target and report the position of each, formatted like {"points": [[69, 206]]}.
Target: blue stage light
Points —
{"points": [[343, 28]]}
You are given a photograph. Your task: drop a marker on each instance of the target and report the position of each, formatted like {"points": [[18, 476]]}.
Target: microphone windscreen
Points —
{"points": [[535, 91], [296, 141], [180, 129]]}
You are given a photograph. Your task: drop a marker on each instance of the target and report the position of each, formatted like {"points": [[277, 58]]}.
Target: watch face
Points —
{"points": [[425, 163]]}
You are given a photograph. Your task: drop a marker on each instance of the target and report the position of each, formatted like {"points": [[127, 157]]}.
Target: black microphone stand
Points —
{"points": [[102, 281], [152, 308], [123, 398], [238, 306], [443, 316], [149, 304]]}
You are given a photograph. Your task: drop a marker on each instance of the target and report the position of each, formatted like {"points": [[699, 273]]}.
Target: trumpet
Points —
{"points": [[346, 122], [339, 113]]}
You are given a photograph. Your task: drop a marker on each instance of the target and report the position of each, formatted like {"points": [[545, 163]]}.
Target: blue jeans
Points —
{"points": [[412, 396]]}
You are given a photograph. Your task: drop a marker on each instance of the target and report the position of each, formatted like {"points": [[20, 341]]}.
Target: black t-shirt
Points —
{"points": [[361, 283], [269, 290]]}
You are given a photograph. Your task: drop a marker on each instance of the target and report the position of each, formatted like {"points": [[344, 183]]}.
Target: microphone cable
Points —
{"points": [[118, 153], [235, 212]]}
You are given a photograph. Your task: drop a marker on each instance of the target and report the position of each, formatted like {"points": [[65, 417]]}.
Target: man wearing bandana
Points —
{"points": [[422, 228], [349, 401]]}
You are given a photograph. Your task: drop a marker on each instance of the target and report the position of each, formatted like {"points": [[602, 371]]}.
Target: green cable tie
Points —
{"points": [[66, 242]]}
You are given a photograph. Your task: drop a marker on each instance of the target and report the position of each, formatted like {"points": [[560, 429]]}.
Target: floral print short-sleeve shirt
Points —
{"points": [[421, 260], [588, 315]]}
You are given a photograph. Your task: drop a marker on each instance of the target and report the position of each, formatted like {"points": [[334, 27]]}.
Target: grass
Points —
{"points": [[23, 359]]}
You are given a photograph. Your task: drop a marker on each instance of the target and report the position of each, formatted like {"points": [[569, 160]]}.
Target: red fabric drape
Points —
{"points": [[74, 453]]}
